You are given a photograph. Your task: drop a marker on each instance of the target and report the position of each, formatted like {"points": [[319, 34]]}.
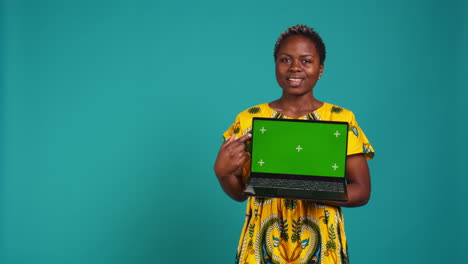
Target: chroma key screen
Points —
{"points": [[286, 146]]}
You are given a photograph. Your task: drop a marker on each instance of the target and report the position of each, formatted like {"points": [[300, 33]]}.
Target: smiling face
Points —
{"points": [[298, 65]]}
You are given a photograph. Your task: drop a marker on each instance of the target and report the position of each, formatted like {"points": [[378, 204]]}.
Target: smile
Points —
{"points": [[294, 81]]}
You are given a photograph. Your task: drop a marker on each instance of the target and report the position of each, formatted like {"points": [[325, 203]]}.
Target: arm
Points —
{"points": [[359, 185], [228, 166]]}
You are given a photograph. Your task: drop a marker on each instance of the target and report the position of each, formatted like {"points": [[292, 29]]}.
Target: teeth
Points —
{"points": [[294, 80]]}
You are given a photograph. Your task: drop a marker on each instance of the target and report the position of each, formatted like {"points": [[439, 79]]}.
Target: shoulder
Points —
{"points": [[243, 123], [331, 112], [260, 110]]}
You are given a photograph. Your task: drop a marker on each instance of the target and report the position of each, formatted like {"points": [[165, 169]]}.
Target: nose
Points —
{"points": [[295, 66]]}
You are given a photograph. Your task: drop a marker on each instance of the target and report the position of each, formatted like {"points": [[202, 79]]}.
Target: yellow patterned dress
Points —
{"points": [[280, 230]]}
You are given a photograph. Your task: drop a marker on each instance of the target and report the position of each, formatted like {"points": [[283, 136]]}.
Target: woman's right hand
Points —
{"points": [[229, 164], [232, 156]]}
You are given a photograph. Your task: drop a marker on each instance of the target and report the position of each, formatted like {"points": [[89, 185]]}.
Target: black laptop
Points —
{"points": [[300, 159]]}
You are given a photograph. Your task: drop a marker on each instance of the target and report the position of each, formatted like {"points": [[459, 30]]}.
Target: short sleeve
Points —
{"points": [[235, 128], [357, 140]]}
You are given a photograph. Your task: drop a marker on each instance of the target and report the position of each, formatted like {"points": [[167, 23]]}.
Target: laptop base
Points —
{"points": [[295, 194]]}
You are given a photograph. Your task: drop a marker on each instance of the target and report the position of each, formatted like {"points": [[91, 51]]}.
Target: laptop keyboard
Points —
{"points": [[311, 185]]}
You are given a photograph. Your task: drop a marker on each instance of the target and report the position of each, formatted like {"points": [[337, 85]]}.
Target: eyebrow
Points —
{"points": [[305, 55]]}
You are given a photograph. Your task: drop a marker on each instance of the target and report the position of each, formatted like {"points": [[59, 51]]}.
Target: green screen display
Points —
{"points": [[302, 148]]}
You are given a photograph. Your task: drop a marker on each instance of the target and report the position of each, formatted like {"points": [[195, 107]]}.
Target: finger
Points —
{"points": [[230, 140], [244, 156], [238, 148], [241, 161], [244, 138], [238, 156]]}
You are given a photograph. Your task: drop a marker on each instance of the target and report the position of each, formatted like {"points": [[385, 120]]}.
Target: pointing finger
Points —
{"points": [[244, 138], [231, 139]]}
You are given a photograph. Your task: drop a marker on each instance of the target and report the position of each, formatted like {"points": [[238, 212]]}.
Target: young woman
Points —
{"points": [[280, 230]]}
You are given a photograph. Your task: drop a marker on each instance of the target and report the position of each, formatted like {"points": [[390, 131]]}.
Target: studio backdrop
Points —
{"points": [[112, 114]]}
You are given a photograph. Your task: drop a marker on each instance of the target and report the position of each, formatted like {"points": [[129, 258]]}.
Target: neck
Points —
{"points": [[296, 106]]}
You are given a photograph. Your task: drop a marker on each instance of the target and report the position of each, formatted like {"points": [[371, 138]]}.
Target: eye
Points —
{"points": [[306, 61], [284, 60]]}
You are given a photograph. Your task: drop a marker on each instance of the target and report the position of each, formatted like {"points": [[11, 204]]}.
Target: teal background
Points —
{"points": [[112, 114]]}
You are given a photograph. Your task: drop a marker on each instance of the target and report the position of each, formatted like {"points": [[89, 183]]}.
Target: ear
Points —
{"points": [[321, 70]]}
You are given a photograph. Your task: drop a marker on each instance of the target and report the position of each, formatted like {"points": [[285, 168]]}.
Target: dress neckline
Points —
{"points": [[301, 117]]}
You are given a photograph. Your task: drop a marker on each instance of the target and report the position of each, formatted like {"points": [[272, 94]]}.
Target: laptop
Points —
{"points": [[300, 159]]}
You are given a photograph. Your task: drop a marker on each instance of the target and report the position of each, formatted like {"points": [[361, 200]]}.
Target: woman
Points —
{"points": [[280, 230]]}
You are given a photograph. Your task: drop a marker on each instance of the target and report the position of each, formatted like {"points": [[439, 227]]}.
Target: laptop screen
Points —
{"points": [[299, 147]]}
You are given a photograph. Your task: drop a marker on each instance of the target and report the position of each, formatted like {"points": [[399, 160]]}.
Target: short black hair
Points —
{"points": [[304, 31]]}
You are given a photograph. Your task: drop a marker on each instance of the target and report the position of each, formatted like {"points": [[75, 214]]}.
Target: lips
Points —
{"points": [[294, 81]]}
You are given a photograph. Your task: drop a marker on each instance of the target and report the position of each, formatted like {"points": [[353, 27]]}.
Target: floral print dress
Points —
{"points": [[278, 230]]}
